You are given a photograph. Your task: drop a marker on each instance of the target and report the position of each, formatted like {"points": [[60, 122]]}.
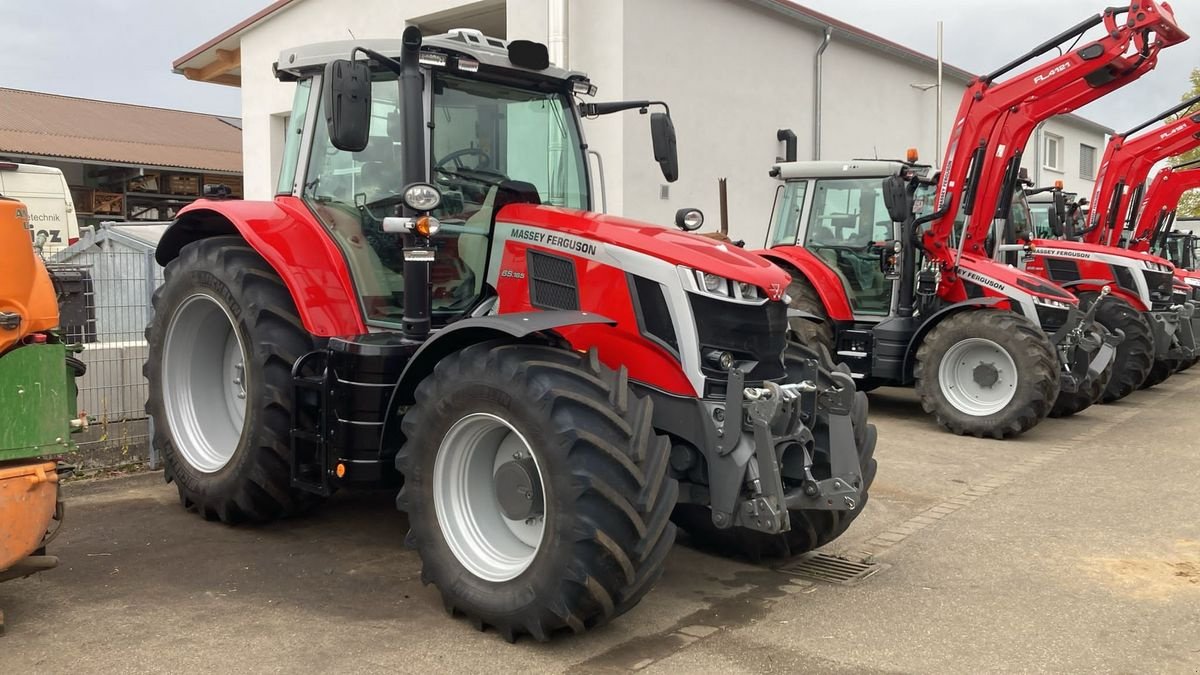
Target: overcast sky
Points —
{"points": [[117, 50], [981, 35], [122, 50]]}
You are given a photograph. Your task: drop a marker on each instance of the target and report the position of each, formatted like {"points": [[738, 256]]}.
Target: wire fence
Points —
{"points": [[105, 283]]}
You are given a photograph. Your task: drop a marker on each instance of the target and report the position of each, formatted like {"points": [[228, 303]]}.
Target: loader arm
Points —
{"points": [[995, 120], [1126, 164], [1162, 198]]}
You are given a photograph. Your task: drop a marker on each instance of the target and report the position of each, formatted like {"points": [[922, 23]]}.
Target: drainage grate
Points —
{"points": [[831, 569]]}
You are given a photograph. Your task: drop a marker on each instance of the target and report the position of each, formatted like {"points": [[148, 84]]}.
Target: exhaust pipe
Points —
{"points": [[788, 138]]}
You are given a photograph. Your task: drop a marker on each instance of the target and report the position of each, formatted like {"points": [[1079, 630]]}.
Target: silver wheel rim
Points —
{"points": [[490, 545], [204, 383], [978, 377]]}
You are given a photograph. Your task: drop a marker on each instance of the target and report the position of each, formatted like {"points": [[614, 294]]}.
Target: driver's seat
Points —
{"points": [[473, 242], [379, 179]]}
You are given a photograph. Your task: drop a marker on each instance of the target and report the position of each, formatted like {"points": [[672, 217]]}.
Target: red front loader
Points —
{"points": [[991, 349], [429, 304], [1153, 232], [1155, 317]]}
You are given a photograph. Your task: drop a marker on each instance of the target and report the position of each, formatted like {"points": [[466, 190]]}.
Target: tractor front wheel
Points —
{"points": [[987, 373], [221, 347], [536, 488], [1160, 371], [1135, 354]]}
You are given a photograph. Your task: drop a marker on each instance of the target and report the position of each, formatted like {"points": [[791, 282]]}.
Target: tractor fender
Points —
{"points": [[1085, 285], [801, 314], [459, 335], [293, 242], [797, 259], [936, 318], [464, 333]]}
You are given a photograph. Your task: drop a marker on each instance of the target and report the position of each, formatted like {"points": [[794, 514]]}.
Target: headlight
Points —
{"points": [[747, 291], [717, 285], [1192, 282], [713, 284], [1047, 302], [689, 220], [422, 197]]}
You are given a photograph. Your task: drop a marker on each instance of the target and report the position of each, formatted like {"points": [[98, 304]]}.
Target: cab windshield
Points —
{"points": [[481, 134]]}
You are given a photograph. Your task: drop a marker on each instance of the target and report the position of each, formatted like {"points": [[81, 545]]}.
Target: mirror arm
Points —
{"points": [[385, 61], [610, 107]]}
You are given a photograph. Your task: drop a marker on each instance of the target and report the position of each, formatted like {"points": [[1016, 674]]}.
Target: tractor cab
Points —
{"points": [[493, 117], [837, 210], [1181, 248], [1056, 214]]}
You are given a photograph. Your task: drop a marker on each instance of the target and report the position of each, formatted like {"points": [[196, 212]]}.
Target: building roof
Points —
{"points": [[49, 125], [219, 60]]}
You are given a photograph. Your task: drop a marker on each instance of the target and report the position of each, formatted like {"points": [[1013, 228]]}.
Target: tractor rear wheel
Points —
{"points": [[536, 488], [221, 349], [987, 373], [810, 529]]}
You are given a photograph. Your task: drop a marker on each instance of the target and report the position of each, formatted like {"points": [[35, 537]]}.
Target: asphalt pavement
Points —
{"points": [[1073, 548]]}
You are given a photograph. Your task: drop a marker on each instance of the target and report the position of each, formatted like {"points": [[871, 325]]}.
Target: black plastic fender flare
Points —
{"points": [[801, 314], [1090, 282], [461, 334], [910, 355]]}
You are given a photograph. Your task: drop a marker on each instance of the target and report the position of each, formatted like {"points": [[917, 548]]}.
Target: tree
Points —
{"points": [[1189, 203]]}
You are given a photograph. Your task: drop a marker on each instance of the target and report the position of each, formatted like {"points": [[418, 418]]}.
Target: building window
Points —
{"points": [[1053, 153], [1087, 162]]}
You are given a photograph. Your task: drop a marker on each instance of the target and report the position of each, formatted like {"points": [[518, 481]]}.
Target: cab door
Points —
{"points": [[846, 221]]}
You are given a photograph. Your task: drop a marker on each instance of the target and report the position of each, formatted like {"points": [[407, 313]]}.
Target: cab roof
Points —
{"points": [[855, 168], [489, 51]]}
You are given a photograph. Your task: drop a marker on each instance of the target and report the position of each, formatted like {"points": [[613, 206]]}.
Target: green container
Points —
{"points": [[37, 402]]}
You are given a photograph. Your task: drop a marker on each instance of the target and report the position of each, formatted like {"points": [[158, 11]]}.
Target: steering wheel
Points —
{"points": [[473, 183], [483, 161]]}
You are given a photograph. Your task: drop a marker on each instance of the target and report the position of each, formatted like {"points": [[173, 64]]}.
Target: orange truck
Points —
{"points": [[37, 401]]}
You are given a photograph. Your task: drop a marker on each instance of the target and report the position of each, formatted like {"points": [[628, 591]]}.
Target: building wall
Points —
{"points": [[732, 72], [728, 96], [1069, 169]]}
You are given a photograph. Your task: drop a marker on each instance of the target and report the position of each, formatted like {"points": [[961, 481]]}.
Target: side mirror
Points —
{"points": [[662, 133], [347, 97], [1058, 213], [895, 197]]}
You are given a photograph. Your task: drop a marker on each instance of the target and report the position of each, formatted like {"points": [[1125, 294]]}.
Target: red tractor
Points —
{"points": [[904, 297], [1153, 231], [429, 303], [1153, 315]]}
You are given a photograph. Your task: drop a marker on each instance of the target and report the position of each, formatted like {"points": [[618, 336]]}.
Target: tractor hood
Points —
{"points": [[1085, 249], [670, 245], [1009, 280]]}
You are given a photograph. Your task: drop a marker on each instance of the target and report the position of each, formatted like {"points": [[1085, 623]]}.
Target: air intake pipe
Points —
{"points": [[788, 138]]}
